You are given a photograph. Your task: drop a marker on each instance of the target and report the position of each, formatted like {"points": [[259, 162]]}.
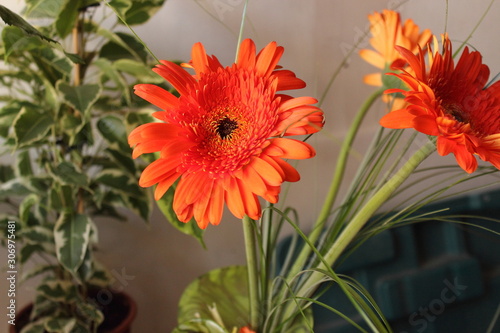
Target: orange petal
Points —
{"points": [[270, 175], [292, 148], [156, 96], [233, 198]]}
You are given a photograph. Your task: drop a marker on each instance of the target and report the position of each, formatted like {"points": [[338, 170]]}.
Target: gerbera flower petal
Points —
{"points": [[450, 101], [220, 137], [156, 96]]}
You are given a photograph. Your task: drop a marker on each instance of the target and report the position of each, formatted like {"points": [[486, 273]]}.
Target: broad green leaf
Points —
{"points": [[226, 289], [31, 126], [114, 132], [58, 291], [166, 207], [38, 235], [67, 173], [43, 8], [71, 236], [29, 249], [90, 312], [13, 187], [85, 270], [16, 41], [37, 270], [25, 207], [141, 11], [80, 98], [101, 276], [6, 173], [42, 306], [125, 42], [23, 164], [60, 325], [11, 18], [37, 326], [7, 115], [123, 161], [141, 207], [137, 69], [109, 72], [200, 326], [67, 17], [120, 6], [117, 180]]}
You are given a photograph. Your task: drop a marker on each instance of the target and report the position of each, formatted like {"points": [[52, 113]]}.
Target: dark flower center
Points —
{"points": [[225, 127], [456, 112]]}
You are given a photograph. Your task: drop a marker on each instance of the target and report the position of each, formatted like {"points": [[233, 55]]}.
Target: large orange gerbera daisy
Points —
{"points": [[387, 32], [451, 102], [224, 137]]}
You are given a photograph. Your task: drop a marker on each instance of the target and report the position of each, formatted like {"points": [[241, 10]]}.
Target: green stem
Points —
{"points": [[336, 182], [240, 35], [365, 213], [252, 268]]}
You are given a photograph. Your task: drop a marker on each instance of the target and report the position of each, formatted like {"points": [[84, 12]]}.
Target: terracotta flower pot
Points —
{"points": [[118, 315]]}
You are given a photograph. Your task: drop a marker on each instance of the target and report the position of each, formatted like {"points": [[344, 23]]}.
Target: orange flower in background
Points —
{"points": [[451, 102], [246, 330], [387, 32], [224, 138]]}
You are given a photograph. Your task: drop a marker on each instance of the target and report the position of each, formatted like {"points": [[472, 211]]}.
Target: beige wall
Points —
{"points": [[159, 261]]}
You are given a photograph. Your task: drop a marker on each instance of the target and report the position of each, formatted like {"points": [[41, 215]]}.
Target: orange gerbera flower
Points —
{"points": [[451, 102], [387, 32], [223, 138]]}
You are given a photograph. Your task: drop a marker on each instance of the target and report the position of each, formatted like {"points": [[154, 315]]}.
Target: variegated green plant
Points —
{"points": [[65, 111]]}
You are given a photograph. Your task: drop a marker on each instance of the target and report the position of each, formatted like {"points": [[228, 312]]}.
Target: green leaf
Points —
{"points": [[31, 126], [126, 47], [71, 236], [11, 18], [121, 6], [67, 173], [81, 98], [28, 250], [38, 235], [137, 69], [141, 11], [101, 276], [15, 41], [67, 17], [13, 187], [23, 164], [37, 326], [200, 326], [43, 8], [114, 132], [226, 289], [58, 291], [120, 43], [7, 115], [90, 312], [115, 179], [123, 161], [109, 72], [60, 325], [166, 207], [25, 207]]}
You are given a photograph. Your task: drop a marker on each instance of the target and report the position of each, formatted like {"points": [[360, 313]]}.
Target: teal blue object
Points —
{"points": [[430, 277]]}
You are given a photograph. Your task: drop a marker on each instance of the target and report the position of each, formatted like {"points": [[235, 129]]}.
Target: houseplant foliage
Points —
{"points": [[224, 140], [65, 109]]}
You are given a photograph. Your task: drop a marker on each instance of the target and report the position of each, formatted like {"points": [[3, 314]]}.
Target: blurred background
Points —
{"points": [[154, 262]]}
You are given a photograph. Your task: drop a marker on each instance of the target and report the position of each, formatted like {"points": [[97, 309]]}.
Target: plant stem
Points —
{"points": [[365, 213], [252, 268], [336, 182]]}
